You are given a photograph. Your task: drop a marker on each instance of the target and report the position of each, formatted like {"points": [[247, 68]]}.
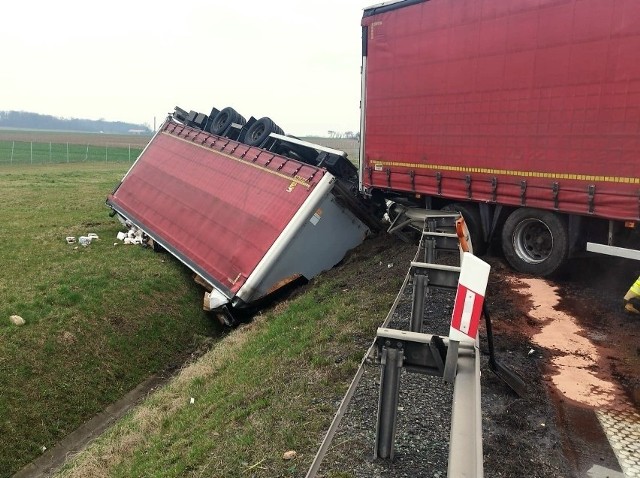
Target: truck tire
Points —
{"points": [[535, 241], [259, 131], [223, 120], [212, 115], [471, 217]]}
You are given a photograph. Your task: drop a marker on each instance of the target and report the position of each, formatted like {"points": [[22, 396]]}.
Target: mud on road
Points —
{"points": [[587, 352]]}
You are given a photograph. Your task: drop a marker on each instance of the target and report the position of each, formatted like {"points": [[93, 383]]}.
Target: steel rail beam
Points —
{"points": [[465, 443]]}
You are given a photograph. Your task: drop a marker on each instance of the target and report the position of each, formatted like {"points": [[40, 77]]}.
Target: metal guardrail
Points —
{"points": [[465, 443], [326, 442], [428, 354], [456, 360]]}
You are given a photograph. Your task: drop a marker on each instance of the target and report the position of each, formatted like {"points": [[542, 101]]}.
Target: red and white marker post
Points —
{"points": [[467, 309]]}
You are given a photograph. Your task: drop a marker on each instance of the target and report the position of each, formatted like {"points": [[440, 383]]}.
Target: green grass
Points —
{"points": [[99, 319], [269, 387], [25, 152]]}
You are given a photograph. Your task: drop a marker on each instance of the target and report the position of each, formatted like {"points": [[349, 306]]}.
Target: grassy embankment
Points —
{"points": [[269, 387], [99, 319]]}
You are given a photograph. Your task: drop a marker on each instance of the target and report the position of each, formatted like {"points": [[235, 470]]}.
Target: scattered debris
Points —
{"points": [[17, 320], [133, 236], [43, 448], [83, 240], [192, 401], [135, 240], [198, 279], [289, 455], [531, 351]]}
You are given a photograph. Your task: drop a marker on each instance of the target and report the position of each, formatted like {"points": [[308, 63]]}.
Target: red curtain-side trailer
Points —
{"points": [[246, 220], [524, 115]]}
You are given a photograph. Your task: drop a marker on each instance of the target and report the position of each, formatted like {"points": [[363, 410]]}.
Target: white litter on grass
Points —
{"points": [[17, 320], [134, 240], [83, 240], [192, 401], [132, 236]]}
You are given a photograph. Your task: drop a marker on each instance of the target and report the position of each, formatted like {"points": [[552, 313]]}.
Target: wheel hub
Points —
{"points": [[532, 241]]}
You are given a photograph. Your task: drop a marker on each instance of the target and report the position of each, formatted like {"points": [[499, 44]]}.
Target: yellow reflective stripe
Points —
{"points": [[507, 172]]}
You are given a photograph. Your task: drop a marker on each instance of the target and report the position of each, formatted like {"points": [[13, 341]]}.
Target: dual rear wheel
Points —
{"points": [[534, 241]]}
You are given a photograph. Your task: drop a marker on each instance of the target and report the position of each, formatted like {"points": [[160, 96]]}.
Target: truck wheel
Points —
{"points": [[223, 120], [212, 115], [260, 131], [471, 217], [535, 241]]}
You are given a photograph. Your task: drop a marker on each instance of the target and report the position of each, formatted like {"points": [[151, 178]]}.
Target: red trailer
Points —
{"points": [[523, 115], [245, 219]]}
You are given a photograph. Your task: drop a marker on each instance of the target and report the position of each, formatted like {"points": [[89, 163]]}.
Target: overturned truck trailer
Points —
{"points": [[245, 219]]}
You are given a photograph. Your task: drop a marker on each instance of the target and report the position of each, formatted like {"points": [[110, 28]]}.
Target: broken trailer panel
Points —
{"points": [[245, 219]]}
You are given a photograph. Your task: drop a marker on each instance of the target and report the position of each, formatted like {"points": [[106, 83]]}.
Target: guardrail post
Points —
{"points": [[430, 250], [417, 311], [388, 402]]}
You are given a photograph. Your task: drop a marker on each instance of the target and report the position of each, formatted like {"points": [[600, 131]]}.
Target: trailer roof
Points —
{"points": [[389, 6]]}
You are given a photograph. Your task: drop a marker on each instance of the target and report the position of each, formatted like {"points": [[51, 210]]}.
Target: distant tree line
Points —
{"points": [[346, 134], [25, 120]]}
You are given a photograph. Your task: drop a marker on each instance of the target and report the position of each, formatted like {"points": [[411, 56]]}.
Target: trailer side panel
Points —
{"points": [[518, 103], [216, 204]]}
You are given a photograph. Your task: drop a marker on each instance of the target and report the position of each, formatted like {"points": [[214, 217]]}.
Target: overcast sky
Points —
{"points": [[130, 60]]}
